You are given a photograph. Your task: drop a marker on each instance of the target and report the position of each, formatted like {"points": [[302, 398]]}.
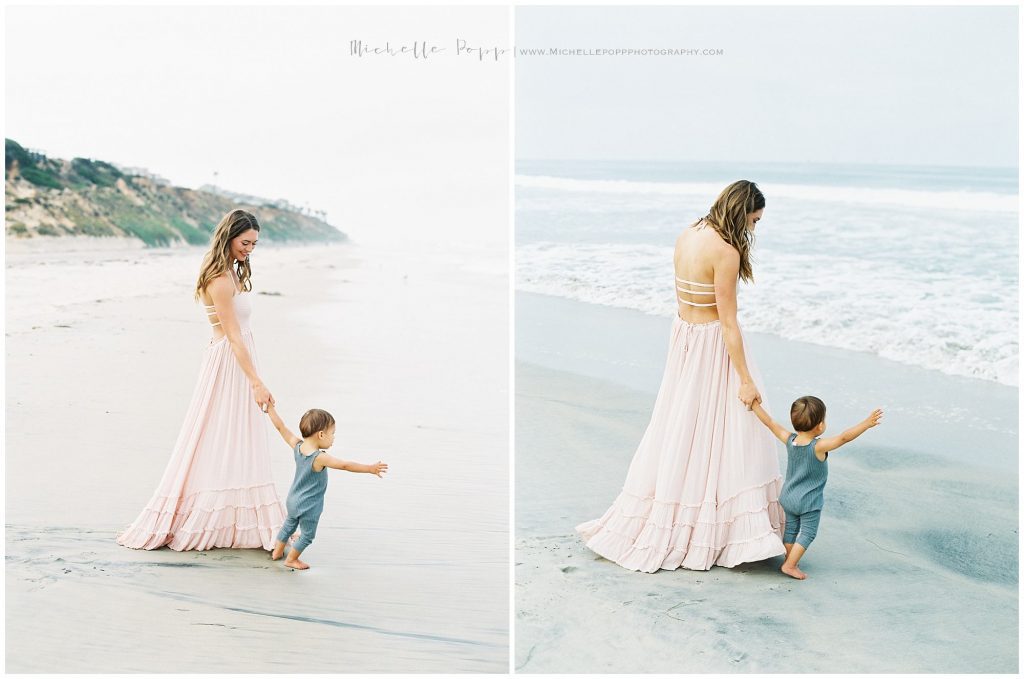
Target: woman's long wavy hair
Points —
{"points": [[728, 216], [218, 259]]}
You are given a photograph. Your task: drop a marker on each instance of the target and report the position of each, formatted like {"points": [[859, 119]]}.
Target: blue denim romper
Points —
{"points": [[305, 500]]}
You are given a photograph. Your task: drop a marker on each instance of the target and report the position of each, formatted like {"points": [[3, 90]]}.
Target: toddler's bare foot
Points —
{"points": [[296, 564], [793, 572], [278, 551]]}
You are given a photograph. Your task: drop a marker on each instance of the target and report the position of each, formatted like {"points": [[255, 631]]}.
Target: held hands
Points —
{"points": [[749, 395], [262, 396], [378, 469]]}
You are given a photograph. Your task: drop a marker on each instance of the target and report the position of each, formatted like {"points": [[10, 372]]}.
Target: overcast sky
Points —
{"points": [[270, 99], [892, 85], [394, 147]]}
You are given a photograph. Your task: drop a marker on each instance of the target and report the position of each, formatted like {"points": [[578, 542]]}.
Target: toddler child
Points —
{"points": [[306, 498], [806, 471]]}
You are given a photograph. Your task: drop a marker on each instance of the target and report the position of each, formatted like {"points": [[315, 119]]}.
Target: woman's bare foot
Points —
{"points": [[278, 551], [793, 572], [296, 564]]}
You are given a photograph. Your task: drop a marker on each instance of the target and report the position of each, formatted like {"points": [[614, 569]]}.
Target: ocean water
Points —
{"points": [[916, 265]]}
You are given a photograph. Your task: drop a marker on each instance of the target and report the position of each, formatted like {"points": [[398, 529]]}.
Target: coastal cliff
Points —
{"points": [[52, 197]]}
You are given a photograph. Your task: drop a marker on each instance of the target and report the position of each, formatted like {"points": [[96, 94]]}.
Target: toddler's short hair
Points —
{"points": [[315, 420], [807, 412]]}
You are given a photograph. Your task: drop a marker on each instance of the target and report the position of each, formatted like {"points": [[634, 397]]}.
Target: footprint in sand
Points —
{"points": [[568, 569]]}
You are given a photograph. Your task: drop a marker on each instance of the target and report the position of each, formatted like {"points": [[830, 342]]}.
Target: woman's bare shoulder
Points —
{"points": [[715, 244], [221, 284], [702, 235], [689, 230], [712, 247], [726, 258]]}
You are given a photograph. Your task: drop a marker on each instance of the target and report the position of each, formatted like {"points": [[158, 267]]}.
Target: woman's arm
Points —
{"points": [[727, 270], [325, 460], [221, 289]]}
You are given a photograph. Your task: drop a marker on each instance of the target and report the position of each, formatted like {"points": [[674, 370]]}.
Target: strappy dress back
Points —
{"points": [[243, 311], [211, 313], [694, 293], [704, 293]]}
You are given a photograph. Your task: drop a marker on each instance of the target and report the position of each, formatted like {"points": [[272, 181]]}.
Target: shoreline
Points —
{"points": [[938, 413], [901, 568]]}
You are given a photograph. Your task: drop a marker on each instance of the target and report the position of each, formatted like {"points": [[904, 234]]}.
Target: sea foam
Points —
{"points": [[978, 201], [943, 322]]}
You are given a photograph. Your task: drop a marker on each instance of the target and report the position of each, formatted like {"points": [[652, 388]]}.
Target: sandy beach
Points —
{"points": [[915, 565], [409, 573]]}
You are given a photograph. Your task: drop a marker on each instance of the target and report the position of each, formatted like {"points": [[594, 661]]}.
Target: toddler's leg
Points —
{"points": [[290, 524], [308, 527], [808, 529], [792, 528]]}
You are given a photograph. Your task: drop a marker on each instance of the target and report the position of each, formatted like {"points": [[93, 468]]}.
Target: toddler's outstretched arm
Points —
{"points": [[289, 438], [377, 469], [777, 429], [826, 445]]}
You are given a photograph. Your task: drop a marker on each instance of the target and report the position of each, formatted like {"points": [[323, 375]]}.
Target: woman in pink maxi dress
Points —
{"points": [[703, 486], [217, 489]]}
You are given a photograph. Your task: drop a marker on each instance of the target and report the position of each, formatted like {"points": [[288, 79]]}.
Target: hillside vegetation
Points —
{"points": [[49, 197]]}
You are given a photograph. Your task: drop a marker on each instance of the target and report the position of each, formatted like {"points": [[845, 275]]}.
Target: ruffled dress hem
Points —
{"points": [[670, 535], [236, 518]]}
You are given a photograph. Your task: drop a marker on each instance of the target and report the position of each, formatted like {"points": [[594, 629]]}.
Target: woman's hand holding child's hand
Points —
{"points": [[262, 396], [749, 395]]}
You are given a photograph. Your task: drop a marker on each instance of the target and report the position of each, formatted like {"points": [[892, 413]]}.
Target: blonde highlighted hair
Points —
{"points": [[728, 217], [218, 258]]}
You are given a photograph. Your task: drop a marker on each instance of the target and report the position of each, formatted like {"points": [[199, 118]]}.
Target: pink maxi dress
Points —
{"points": [[217, 489], [703, 487]]}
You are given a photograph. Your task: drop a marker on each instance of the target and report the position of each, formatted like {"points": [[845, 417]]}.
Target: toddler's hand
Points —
{"points": [[749, 395], [874, 418], [379, 469]]}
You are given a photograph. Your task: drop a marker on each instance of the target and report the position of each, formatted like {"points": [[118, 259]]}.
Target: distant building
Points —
{"points": [[143, 172]]}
